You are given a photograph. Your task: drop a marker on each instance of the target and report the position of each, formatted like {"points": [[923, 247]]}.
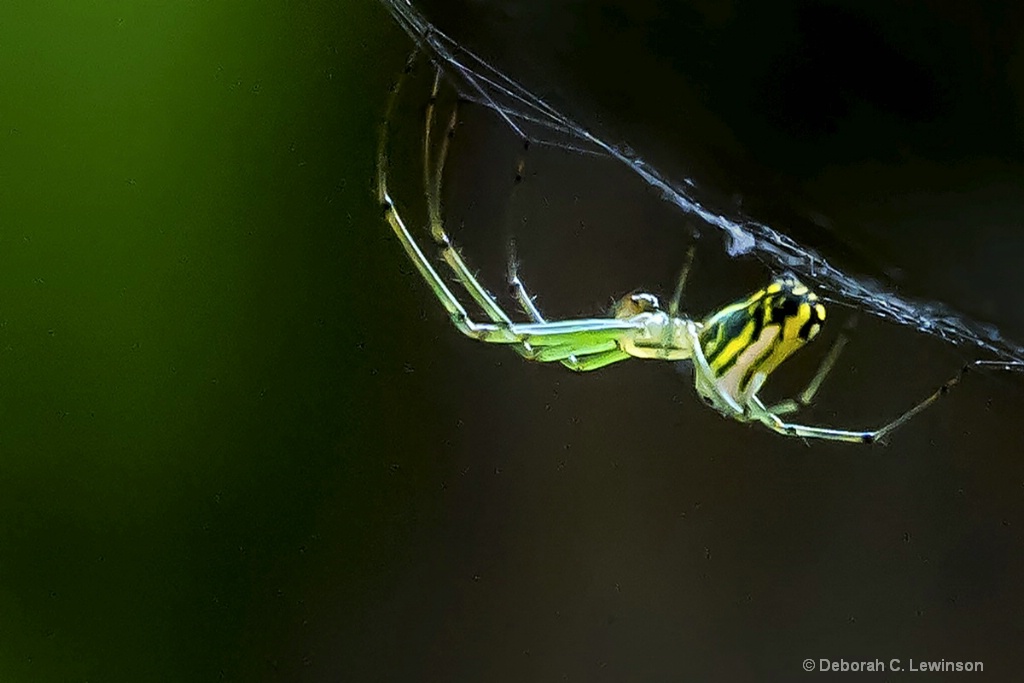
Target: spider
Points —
{"points": [[733, 350]]}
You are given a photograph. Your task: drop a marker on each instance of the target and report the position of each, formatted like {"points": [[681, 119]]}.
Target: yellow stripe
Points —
{"points": [[733, 348]]}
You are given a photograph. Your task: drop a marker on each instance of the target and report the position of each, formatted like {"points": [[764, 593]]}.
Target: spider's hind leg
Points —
{"points": [[772, 421], [806, 397], [1006, 366]]}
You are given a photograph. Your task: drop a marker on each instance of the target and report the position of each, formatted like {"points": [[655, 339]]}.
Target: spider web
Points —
{"points": [[534, 120]]}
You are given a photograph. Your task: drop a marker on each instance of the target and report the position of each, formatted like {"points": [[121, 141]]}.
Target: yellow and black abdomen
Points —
{"points": [[745, 341]]}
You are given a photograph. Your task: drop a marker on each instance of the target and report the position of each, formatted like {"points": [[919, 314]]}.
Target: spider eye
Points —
{"points": [[635, 304]]}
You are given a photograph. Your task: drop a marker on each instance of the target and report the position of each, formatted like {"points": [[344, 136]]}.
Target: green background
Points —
{"points": [[187, 260]]}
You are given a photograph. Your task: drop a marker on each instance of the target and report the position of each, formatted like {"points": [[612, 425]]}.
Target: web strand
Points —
{"points": [[534, 120]]}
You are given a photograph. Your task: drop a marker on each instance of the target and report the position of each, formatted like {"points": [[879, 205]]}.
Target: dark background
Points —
{"points": [[240, 441]]}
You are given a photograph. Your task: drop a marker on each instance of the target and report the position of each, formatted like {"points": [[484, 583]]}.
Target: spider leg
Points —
{"points": [[587, 334], [579, 359], [458, 313], [567, 354], [773, 422], [677, 295], [584, 333], [806, 397], [595, 361], [518, 289], [432, 176], [705, 382]]}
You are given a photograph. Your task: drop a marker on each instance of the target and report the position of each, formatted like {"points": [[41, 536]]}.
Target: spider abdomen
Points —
{"points": [[745, 341]]}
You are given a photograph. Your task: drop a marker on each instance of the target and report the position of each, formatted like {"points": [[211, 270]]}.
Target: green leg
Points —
{"points": [[580, 358], [597, 361], [806, 397], [579, 344], [772, 421], [677, 295]]}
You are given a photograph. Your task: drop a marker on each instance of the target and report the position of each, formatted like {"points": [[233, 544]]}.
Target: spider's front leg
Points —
{"points": [[581, 345]]}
